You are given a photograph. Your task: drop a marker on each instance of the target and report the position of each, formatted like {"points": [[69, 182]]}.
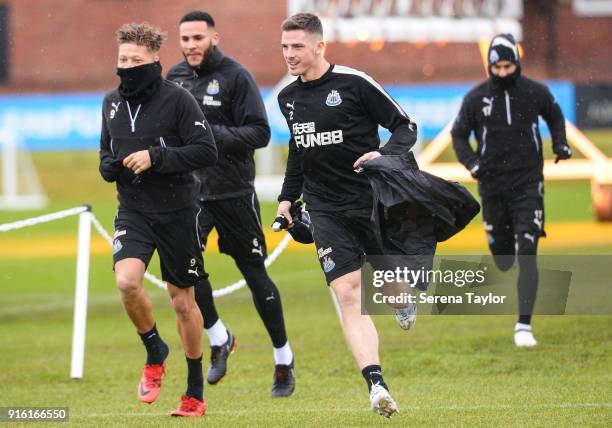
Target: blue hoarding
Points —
{"points": [[72, 121]]}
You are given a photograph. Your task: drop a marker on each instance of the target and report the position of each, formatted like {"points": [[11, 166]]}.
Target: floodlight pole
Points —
{"points": [[80, 296]]}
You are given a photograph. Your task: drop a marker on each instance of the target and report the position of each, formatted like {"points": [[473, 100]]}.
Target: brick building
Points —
{"points": [[66, 45]]}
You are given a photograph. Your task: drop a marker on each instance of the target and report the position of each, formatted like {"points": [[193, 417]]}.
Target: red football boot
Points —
{"points": [[190, 406], [150, 382]]}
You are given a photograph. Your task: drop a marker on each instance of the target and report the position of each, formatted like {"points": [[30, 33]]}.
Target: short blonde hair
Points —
{"points": [[143, 34]]}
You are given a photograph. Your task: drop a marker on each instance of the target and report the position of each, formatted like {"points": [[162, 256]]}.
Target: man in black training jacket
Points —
{"points": [[503, 113], [228, 95], [153, 136], [333, 113]]}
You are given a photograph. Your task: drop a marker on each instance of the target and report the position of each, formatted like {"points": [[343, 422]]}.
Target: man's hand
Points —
{"points": [[562, 152], [368, 156], [110, 169], [283, 211], [138, 161]]}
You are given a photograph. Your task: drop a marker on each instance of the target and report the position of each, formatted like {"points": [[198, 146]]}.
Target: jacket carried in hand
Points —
{"points": [[398, 185]]}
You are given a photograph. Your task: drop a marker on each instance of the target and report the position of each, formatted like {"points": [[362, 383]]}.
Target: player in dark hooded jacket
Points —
{"points": [[503, 113], [230, 99]]}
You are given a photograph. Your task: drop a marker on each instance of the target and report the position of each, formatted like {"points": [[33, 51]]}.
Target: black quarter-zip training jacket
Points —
{"points": [[227, 94], [333, 121], [171, 126], [505, 124]]}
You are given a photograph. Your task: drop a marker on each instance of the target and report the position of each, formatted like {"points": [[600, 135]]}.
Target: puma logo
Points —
{"points": [[113, 111], [486, 110], [200, 124], [290, 105], [257, 251], [194, 272]]}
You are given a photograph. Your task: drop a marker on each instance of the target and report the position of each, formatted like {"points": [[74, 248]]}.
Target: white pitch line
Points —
{"points": [[542, 406]]}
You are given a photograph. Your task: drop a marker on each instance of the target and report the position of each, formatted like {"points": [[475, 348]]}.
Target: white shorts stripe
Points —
{"points": [[197, 228]]}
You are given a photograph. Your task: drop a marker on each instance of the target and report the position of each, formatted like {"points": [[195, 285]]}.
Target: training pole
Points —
{"points": [[80, 296]]}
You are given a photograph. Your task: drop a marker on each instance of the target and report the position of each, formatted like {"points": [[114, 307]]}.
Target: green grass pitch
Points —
{"points": [[446, 371]]}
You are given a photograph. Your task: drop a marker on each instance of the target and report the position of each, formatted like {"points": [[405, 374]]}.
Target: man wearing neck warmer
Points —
{"points": [[154, 136], [503, 113], [228, 95]]}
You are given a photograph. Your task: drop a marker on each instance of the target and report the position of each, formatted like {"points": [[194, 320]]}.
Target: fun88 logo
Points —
{"points": [[305, 136]]}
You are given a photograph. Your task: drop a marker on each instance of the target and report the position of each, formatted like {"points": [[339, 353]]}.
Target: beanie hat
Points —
{"points": [[503, 48]]}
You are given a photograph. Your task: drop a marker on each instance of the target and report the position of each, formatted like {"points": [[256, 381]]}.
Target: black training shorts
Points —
{"points": [[343, 239], [238, 223], [173, 234], [512, 214]]}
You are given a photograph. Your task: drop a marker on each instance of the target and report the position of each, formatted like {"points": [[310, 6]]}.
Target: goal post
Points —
{"points": [[21, 189]]}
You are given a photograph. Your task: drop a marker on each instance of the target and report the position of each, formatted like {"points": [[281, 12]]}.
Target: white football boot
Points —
{"points": [[382, 402], [523, 336], [406, 317]]}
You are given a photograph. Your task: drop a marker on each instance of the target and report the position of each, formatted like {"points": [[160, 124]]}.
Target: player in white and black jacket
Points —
{"points": [[228, 95], [333, 113], [503, 113], [153, 137]]}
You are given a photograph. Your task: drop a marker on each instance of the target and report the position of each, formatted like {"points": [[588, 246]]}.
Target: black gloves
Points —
{"points": [[110, 169], [300, 230], [563, 152]]}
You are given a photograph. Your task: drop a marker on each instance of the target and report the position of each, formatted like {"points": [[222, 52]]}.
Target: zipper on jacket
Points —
{"points": [[133, 118], [534, 126], [162, 142], [508, 113], [484, 141]]}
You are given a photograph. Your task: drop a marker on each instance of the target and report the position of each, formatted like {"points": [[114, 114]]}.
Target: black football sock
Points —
{"points": [[373, 375], [195, 378], [527, 284], [206, 303], [267, 301], [157, 350]]}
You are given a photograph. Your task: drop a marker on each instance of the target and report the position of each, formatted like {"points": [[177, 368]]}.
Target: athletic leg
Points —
{"points": [[528, 218], [499, 230], [267, 300], [362, 339], [132, 250]]}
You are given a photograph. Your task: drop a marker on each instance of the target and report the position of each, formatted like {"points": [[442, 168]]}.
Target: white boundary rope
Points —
{"points": [[107, 237], [42, 219]]}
